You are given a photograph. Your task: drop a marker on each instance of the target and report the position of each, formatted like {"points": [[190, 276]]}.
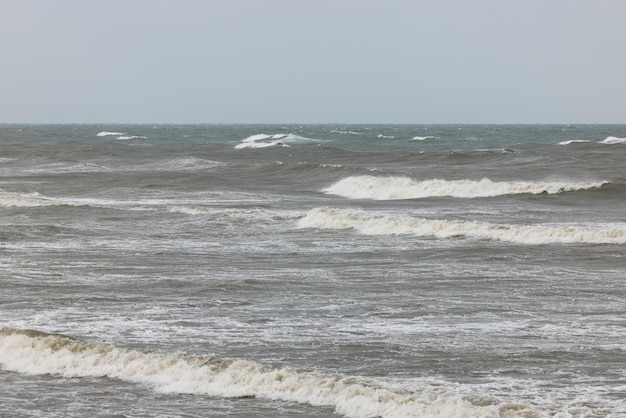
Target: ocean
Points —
{"points": [[313, 270]]}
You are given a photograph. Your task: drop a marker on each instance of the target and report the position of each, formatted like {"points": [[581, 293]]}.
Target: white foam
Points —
{"points": [[31, 200], [376, 224], [264, 141], [423, 138], [574, 141], [26, 200], [107, 133], [132, 137], [391, 188], [611, 140], [39, 353]]}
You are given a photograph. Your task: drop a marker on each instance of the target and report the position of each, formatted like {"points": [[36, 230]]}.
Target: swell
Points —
{"points": [[369, 224], [34, 352]]}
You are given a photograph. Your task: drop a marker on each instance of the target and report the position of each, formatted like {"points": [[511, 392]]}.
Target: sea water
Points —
{"points": [[312, 271]]}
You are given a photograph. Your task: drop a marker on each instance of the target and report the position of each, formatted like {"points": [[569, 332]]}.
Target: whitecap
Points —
{"points": [[106, 133], [574, 141], [423, 138], [264, 141], [380, 224], [8, 199], [611, 140], [394, 188], [132, 137]]}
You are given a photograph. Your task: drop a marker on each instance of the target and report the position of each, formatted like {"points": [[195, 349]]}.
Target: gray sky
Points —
{"points": [[326, 61]]}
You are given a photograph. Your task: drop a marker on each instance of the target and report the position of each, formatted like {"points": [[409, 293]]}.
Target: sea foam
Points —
{"points": [[574, 141], [391, 188], [423, 138], [377, 224], [613, 140], [264, 141], [34, 352], [107, 133]]}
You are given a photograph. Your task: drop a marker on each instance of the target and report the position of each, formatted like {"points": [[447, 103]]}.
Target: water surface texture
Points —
{"points": [[312, 271]]}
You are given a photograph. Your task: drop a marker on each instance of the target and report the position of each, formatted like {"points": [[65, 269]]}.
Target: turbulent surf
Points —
{"points": [[315, 270]]}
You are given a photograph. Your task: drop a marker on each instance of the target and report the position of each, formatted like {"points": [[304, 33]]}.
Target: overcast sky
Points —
{"points": [[315, 61]]}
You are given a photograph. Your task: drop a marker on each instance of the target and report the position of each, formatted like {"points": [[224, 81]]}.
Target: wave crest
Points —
{"points": [[613, 140], [264, 141], [393, 188], [31, 200], [368, 224], [107, 133], [36, 352]]}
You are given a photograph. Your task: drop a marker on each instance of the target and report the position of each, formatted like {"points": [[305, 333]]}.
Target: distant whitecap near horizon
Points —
{"points": [[265, 141], [120, 135], [611, 140], [107, 133], [132, 137], [575, 141]]}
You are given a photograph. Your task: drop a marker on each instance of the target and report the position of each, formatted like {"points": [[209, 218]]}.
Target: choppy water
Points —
{"points": [[393, 271]]}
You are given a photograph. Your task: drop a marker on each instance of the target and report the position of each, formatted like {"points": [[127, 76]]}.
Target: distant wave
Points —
{"points": [[392, 188], [264, 141], [120, 135], [34, 352], [30, 200], [574, 141], [368, 224], [613, 140], [346, 132], [423, 138], [36, 200], [106, 133], [179, 164]]}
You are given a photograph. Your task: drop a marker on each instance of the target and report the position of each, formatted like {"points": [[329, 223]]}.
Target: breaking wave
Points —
{"points": [[393, 188], [107, 133], [574, 141], [34, 352], [613, 140], [31, 200], [120, 135], [368, 224], [264, 141]]}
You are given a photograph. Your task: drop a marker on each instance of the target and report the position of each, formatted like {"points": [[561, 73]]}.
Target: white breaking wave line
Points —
{"points": [[392, 188], [34, 352], [368, 224]]}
